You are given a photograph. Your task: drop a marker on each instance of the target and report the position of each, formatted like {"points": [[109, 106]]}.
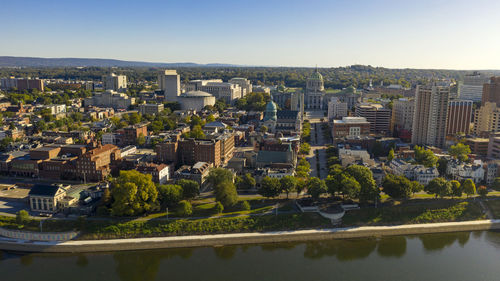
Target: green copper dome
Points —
{"points": [[316, 76], [270, 113]]}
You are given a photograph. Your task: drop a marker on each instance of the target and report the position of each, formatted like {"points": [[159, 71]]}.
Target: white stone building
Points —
{"points": [[336, 108]]}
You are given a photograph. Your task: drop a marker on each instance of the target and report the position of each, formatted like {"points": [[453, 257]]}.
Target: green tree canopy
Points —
{"points": [[460, 151], [364, 176], [469, 187], [134, 194], [270, 187], [190, 188], [398, 187], [225, 193], [288, 184], [316, 187], [439, 187], [170, 195], [425, 156]]}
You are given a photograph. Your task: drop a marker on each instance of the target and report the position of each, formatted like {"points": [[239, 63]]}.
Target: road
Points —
{"points": [[318, 144]]}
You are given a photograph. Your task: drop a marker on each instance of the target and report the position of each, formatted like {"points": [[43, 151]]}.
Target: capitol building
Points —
{"points": [[315, 91]]}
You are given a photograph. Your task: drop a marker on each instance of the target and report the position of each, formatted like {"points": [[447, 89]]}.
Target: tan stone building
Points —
{"points": [[46, 198]]}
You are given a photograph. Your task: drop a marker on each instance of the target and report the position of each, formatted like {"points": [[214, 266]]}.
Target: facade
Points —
{"points": [[336, 108], [494, 146], [289, 100], [195, 100], [402, 118], [418, 173], [110, 99], [129, 135], [220, 90], [191, 151], [491, 91], [350, 127], [472, 87], [160, 173], [459, 117], [198, 172], [21, 84], [460, 171], [431, 111], [94, 165], [315, 91], [245, 85], [115, 82], [150, 108], [378, 116], [46, 198], [487, 119], [170, 83], [478, 146]]}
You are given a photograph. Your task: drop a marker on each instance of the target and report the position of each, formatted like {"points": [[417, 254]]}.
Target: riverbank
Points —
{"points": [[80, 246]]}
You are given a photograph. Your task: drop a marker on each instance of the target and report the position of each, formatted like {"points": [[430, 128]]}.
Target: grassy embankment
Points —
{"points": [[410, 212]]}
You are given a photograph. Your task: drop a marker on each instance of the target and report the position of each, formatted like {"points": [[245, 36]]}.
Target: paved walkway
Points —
{"points": [[243, 238]]}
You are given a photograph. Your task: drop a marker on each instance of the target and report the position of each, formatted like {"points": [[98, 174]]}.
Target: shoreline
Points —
{"points": [[110, 245]]}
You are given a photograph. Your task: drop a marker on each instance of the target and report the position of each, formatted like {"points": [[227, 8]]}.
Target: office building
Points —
{"points": [[22, 84], [459, 117], [487, 119], [170, 83], [494, 146], [378, 116], [350, 127], [336, 108], [431, 111], [150, 108], [115, 82], [472, 87], [402, 118], [220, 90], [110, 99], [491, 91]]}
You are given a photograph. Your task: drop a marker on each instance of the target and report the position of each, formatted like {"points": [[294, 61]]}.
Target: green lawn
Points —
{"points": [[494, 206]]}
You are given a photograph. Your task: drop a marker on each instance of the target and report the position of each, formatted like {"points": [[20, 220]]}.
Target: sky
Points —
{"points": [[440, 34]]}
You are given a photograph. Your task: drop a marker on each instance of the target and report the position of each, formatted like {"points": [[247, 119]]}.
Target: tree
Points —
{"points": [[225, 193], [305, 148], [496, 184], [169, 195], [460, 151], [442, 165], [364, 176], [456, 188], [134, 118], [438, 187], [270, 187], [190, 188], [185, 208], [219, 175], [219, 208], [22, 217], [196, 133], [210, 118], [303, 168], [316, 187], [425, 156], [398, 187], [349, 186], [416, 187], [288, 184], [482, 191], [134, 194], [141, 140], [156, 126], [390, 156], [246, 182], [469, 187]]}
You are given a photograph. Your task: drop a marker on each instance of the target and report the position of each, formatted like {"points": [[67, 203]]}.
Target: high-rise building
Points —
{"points": [[115, 82], [402, 118], [487, 119], [491, 91], [336, 108], [170, 83], [22, 84], [431, 110], [378, 116], [459, 117], [472, 87], [494, 146]]}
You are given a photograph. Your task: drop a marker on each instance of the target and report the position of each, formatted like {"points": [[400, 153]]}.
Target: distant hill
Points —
{"points": [[6, 61]]}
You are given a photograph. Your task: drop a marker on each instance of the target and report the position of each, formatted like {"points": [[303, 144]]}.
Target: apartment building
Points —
{"points": [[459, 117]]}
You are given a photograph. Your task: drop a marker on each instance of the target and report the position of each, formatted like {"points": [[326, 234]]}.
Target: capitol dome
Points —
{"points": [[270, 113], [316, 76]]}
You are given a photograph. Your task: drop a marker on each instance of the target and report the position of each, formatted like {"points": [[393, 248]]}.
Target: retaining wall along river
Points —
{"points": [[242, 238]]}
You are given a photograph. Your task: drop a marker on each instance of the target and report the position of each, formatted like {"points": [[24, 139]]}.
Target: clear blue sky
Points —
{"points": [[392, 33]]}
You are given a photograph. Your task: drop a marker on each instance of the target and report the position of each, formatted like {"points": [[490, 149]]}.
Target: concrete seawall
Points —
{"points": [[242, 238]]}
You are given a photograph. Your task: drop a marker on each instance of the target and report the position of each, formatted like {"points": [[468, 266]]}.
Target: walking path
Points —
{"points": [[242, 238]]}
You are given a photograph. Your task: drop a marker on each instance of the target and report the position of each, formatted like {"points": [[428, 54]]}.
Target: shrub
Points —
{"points": [[22, 217], [244, 206], [185, 208], [219, 208]]}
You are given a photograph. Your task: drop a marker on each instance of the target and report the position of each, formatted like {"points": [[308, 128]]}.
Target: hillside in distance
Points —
{"points": [[8, 61]]}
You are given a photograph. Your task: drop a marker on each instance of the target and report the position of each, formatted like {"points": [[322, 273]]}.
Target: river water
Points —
{"points": [[449, 256]]}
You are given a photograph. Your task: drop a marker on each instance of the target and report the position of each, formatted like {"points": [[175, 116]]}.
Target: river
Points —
{"points": [[449, 256]]}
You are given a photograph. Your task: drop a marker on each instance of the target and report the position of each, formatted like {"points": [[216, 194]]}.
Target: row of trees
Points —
{"points": [[133, 194]]}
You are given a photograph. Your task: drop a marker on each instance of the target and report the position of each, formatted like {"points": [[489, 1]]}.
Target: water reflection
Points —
{"points": [[82, 260], [392, 246], [437, 242], [225, 252], [493, 238], [344, 250], [144, 265]]}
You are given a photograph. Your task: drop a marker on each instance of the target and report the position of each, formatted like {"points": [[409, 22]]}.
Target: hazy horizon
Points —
{"points": [[458, 35]]}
